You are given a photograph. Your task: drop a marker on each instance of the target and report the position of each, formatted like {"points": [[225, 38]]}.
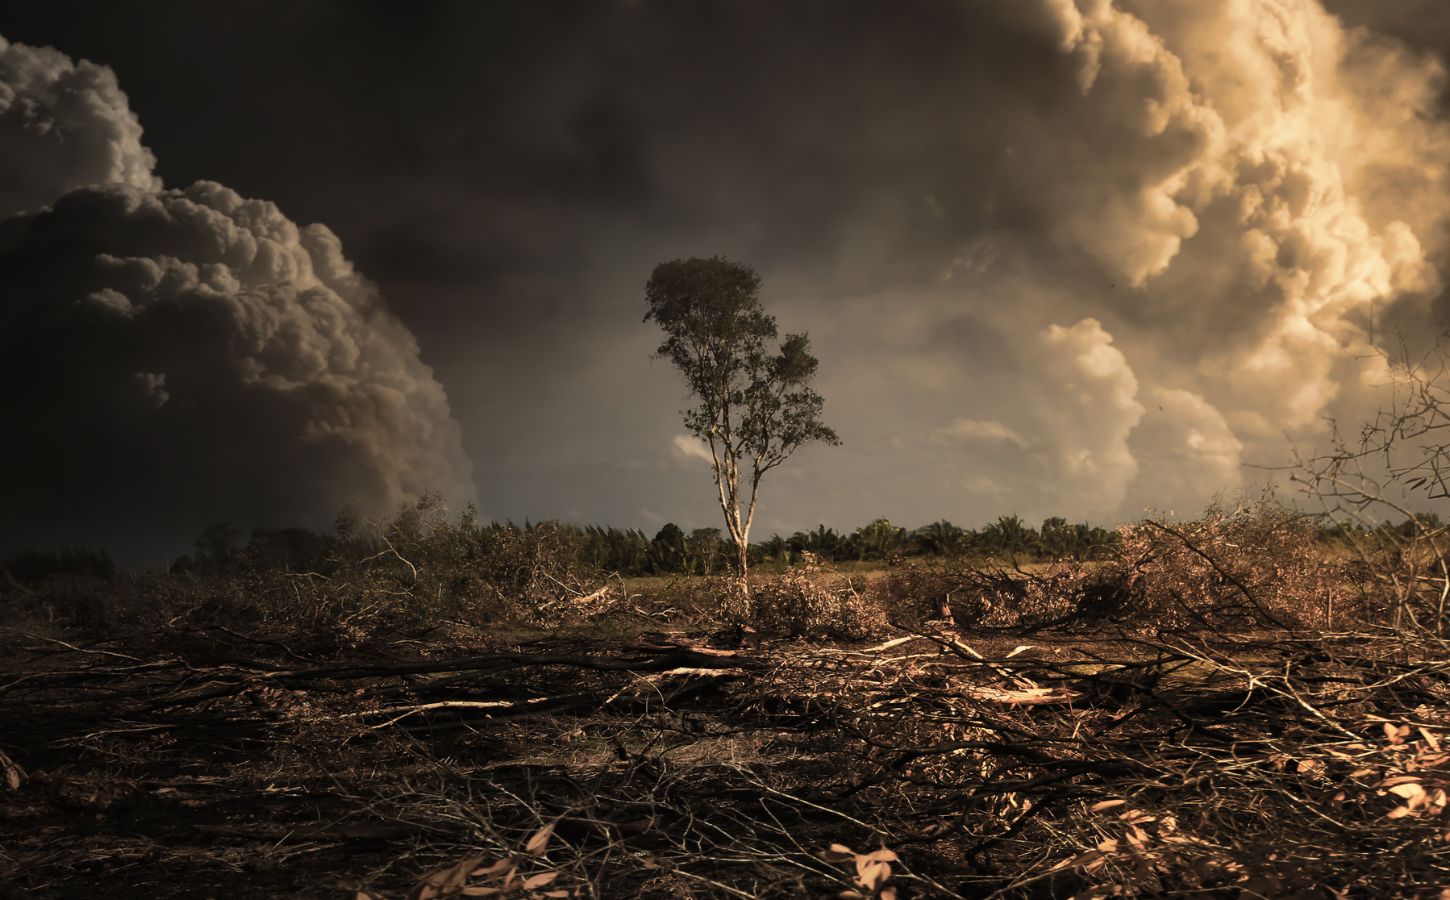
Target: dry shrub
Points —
{"points": [[86, 604], [992, 596], [687, 601], [1402, 572], [402, 580], [1245, 566], [802, 603], [917, 594], [423, 571], [1249, 565], [463, 569]]}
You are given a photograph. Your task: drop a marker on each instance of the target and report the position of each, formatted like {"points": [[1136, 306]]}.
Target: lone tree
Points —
{"points": [[755, 403]]}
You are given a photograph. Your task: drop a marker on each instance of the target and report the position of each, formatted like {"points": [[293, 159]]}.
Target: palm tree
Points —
{"points": [[941, 539], [878, 540], [1008, 535], [825, 543]]}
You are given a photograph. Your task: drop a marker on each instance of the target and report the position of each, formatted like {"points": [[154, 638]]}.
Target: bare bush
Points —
{"points": [[803, 603], [1390, 474], [1248, 565]]}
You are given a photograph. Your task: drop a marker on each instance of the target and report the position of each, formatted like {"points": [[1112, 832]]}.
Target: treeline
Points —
{"points": [[426, 531], [425, 528], [672, 551], [633, 552]]}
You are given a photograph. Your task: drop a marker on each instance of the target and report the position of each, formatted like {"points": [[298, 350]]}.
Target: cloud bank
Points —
{"points": [[1278, 182], [174, 357], [1183, 237], [1057, 257], [1235, 208]]}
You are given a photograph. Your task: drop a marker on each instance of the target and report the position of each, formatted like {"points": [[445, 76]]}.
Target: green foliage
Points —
{"points": [[878, 541], [1008, 535], [426, 534], [216, 548], [717, 334], [941, 539], [773, 549], [667, 551], [825, 543]]}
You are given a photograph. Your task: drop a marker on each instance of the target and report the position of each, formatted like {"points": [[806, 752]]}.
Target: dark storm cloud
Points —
{"points": [[1423, 24], [184, 356], [173, 357], [1144, 238]]}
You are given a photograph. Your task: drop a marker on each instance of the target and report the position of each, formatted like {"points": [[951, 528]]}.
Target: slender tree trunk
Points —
{"points": [[727, 480]]}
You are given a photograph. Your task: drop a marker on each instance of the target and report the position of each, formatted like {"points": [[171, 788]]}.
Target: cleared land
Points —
{"points": [[629, 744]]}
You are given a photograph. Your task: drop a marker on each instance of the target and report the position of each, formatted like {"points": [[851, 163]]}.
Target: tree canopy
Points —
{"points": [[754, 402]]}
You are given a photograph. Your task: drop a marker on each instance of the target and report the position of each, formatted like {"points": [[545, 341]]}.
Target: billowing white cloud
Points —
{"points": [[63, 125], [1186, 454], [1232, 190], [174, 357], [1087, 407], [1271, 133], [1072, 407], [1261, 187], [1133, 209], [1070, 257]]}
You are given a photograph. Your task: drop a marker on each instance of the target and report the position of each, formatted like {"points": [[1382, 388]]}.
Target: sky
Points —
{"points": [[1088, 258]]}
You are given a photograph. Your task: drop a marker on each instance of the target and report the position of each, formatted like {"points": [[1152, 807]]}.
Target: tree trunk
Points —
{"points": [[742, 566]]}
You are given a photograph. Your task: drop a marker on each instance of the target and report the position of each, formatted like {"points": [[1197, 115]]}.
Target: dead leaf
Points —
{"points": [[1087, 862], [1400, 779], [492, 870], [446, 880], [540, 840], [1411, 791], [838, 853], [539, 880], [14, 775], [871, 874]]}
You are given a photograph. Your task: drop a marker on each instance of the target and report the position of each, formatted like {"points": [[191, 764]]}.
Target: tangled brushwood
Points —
{"points": [[1249, 705], [1251, 565], [806, 601]]}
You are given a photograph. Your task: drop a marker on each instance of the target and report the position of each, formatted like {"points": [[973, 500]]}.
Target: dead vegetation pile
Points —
{"points": [[1243, 567], [1209, 711], [805, 602]]}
